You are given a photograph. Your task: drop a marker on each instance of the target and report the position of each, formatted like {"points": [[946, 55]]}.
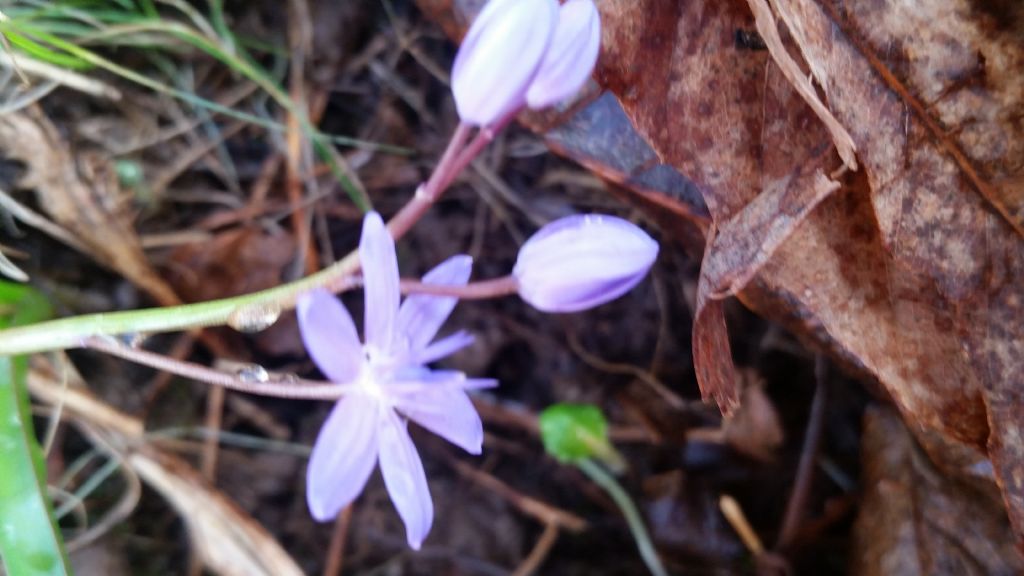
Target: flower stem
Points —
{"points": [[294, 388], [71, 332], [428, 193], [482, 290], [636, 524]]}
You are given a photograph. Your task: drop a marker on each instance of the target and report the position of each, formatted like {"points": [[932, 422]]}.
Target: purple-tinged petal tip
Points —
{"points": [[499, 57], [571, 56]]}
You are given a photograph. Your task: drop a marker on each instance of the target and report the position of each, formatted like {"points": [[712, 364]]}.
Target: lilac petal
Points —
{"points": [[405, 479], [580, 262], [330, 335], [571, 56], [380, 282], [500, 56], [444, 347], [479, 384], [410, 380], [421, 315], [343, 457], [447, 412]]}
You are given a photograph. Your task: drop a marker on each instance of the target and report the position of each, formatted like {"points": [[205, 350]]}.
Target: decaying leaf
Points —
{"points": [[228, 540], [912, 271], [236, 261], [755, 429], [717, 379], [915, 520], [81, 193]]}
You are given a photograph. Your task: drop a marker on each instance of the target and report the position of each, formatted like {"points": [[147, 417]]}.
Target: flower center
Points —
{"points": [[374, 374]]}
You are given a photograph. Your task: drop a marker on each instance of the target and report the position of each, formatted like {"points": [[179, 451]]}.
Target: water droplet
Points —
{"points": [[253, 373], [132, 339], [289, 379], [254, 317]]}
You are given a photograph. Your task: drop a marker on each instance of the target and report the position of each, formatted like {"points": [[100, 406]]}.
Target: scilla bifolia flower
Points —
{"points": [[499, 58], [571, 56], [582, 261], [391, 385]]}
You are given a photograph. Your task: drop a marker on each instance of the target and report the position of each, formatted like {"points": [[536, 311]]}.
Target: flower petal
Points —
{"points": [[447, 412], [479, 384], [444, 347], [343, 457], [380, 282], [581, 261], [421, 315], [570, 57], [330, 335], [499, 57], [404, 478]]}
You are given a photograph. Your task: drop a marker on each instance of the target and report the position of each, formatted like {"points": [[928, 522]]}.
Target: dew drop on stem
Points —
{"points": [[253, 373], [250, 318]]}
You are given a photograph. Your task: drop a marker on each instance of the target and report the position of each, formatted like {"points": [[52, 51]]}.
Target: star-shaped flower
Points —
{"points": [[391, 385]]}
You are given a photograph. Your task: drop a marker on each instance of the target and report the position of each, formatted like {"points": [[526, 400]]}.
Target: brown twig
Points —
{"points": [[738, 520], [656, 385], [808, 457], [539, 553], [336, 550], [545, 513], [299, 35]]}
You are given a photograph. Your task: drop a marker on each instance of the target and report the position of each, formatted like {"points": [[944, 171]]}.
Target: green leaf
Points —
{"points": [[30, 539], [574, 432]]}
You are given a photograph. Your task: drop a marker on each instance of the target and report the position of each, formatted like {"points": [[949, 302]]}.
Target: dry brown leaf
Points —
{"points": [[234, 262], [755, 429], [765, 21], [912, 272], [915, 521], [80, 193], [718, 380], [228, 540]]}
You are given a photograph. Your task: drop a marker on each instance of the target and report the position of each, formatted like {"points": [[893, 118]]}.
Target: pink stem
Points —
{"points": [[296, 389], [483, 290], [455, 159], [431, 190]]}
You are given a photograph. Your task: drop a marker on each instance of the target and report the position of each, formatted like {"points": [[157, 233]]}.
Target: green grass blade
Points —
{"points": [[30, 539], [240, 65], [40, 52]]}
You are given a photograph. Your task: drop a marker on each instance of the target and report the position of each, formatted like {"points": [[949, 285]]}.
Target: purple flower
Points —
{"points": [[391, 385], [500, 56], [582, 261], [571, 56]]}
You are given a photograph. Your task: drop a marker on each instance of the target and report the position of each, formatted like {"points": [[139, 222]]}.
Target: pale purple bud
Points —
{"points": [[582, 261], [500, 56], [571, 56]]}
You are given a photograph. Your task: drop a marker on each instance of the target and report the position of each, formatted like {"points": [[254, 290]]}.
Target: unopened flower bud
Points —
{"points": [[571, 56], [582, 261], [500, 56]]}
